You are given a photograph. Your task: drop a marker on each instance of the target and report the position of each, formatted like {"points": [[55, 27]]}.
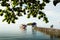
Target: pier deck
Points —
{"points": [[49, 31]]}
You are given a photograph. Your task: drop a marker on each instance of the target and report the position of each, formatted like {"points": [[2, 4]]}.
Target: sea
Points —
{"points": [[27, 34]]}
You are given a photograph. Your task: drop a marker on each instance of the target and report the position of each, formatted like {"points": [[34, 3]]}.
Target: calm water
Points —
{"points": [[26, 35]]}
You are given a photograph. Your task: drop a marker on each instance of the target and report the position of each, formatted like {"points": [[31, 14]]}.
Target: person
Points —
{"points": [[23, 26], [33, 24], [51, 26]]}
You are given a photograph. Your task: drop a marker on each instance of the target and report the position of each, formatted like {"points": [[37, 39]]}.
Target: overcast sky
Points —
{"points": [[52, 12]]}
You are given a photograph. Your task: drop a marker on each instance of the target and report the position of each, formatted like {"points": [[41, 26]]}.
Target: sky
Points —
{"points": [[51, 11]]}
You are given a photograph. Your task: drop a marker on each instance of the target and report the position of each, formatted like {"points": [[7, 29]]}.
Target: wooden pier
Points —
{"points": [[49, 31]]}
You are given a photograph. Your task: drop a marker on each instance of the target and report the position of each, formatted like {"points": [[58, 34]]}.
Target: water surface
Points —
{"points": [[28, 34]]}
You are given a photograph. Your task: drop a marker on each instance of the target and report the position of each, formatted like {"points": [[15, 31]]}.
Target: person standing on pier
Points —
{"points": [[34, 24], [51, 26]]}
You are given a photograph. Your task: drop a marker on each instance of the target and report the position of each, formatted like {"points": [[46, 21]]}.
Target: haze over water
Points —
{"points": [[28, 34]]}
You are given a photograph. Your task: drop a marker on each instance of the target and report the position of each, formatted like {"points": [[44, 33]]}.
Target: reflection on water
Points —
{"points": [[28, 34], [54, 38]]}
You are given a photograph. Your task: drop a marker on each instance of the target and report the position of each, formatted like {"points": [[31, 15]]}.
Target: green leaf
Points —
{"points": [[8, 22], [1, 13], [47, 1], [39, 17], [55, 2], [13, 21], [28, 16], [3, 20], [0, 10], [19, 14]]}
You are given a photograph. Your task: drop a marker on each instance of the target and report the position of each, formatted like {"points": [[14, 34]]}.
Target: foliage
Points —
{"points": [[55, 2], [31, 23], [34, 8]]}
